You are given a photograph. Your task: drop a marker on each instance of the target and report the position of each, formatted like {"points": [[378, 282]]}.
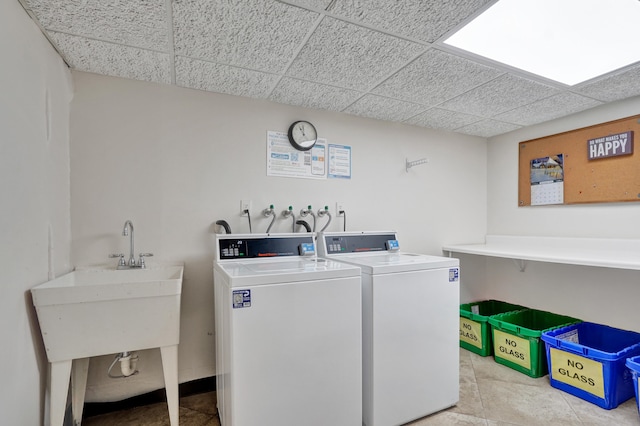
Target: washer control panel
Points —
{"points": [[267, 246], [339, 244]]}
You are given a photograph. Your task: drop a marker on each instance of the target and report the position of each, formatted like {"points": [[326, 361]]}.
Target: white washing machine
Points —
{"points": [[288, 333], [410, 305]]}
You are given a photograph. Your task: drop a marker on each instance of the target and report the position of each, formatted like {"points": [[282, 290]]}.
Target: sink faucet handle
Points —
{"points": [[141, 263], [121, 262]]}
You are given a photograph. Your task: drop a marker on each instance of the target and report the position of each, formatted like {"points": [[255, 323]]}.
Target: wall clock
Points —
{"points": [[302, 135]]}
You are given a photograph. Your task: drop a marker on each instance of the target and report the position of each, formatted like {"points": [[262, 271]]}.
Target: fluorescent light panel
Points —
{"points": [[569, 41]]}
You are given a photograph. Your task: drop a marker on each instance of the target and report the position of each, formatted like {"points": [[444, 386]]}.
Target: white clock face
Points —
{"points": [[304, 134]]}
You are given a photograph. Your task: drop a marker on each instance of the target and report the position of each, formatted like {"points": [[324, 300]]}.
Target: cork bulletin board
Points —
{"points": [[596, 164]]}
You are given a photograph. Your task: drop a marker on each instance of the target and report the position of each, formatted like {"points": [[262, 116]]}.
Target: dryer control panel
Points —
{"points": [[359, 243]]}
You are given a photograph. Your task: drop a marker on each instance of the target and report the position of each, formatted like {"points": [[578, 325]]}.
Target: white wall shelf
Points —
{"points": [[599, 252]]}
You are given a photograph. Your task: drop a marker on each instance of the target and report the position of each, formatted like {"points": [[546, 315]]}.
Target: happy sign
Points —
{"points": [[611, 146]]}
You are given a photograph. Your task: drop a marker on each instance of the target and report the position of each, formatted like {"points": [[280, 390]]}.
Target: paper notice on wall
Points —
{"points": [[339, 162], [286, 161], [547, 180]]}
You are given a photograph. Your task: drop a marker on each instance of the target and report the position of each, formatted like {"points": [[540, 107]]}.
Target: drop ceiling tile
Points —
{"points": [[262, 35], [134, 23], [346, 55], [488, 128], [442, 119], [425, 20], [615, 87], [213, 77], [435, 77], [555, 106], [306, 94], [104, 58], [372, 106], [500, 95]]}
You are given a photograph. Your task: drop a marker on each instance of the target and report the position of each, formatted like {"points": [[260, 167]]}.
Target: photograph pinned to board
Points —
{"points": [[547, 180]]}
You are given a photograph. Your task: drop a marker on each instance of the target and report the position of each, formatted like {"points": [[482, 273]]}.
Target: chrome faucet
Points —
{"points": [[125, 232], [122, 264]]}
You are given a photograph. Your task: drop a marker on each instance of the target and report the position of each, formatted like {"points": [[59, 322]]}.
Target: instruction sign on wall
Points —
{"points": [[286, 161], [339, 162], [322, 161]]}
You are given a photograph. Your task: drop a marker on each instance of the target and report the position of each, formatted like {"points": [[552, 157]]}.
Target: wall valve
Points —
{"points": [[269, 212], [325, 212], [307, 211], [322, 212], [289, 213]]}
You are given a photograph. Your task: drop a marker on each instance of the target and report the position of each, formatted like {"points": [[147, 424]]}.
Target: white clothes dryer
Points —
{"points": [[288, 333], [410, 305]]}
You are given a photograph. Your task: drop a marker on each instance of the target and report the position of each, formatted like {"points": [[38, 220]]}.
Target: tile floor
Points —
{"points": [[490, 394]]}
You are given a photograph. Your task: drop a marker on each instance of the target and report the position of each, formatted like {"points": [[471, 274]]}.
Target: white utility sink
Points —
{"points": [[94, 312], [91, 312]]}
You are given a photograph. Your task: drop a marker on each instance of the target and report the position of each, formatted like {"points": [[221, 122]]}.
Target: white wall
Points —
{"points": [[607, 296], [35, 87], [175, 160]]}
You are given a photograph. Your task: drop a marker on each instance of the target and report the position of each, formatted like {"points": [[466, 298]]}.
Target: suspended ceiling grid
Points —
{"points": [[380, 59]]}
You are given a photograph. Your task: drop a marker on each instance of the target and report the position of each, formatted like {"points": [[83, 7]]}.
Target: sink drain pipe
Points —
{"points": [[128, 363]]}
